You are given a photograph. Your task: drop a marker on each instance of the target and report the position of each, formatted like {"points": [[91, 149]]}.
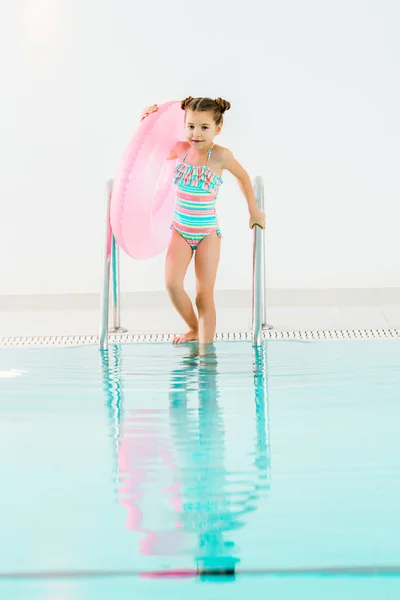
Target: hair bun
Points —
{"points": [[186, 101], [223, 105]]}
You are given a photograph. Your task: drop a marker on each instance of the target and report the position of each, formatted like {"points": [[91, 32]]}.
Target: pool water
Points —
{"points": [[282, 466]]}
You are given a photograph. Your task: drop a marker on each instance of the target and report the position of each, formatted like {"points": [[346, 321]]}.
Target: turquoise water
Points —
{"points": [[116, 469]]}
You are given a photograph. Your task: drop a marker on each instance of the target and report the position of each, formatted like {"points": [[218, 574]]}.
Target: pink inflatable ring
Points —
{"points": [[143, 196]]}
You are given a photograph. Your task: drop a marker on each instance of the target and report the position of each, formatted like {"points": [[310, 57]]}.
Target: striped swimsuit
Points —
{"points": [[195, 215]]}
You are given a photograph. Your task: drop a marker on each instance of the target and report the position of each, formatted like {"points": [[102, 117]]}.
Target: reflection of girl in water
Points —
{"points": [[210, 507], [197, 510], [199, 440]]}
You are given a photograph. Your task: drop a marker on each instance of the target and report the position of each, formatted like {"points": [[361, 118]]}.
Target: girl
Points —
{"points": [[195, 227]]}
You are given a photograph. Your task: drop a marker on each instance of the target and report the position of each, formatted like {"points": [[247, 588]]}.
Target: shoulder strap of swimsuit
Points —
{"points": [[209, 153], [184, 158]]}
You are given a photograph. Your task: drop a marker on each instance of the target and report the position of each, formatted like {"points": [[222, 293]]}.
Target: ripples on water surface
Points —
{"points": [[151, 459]]}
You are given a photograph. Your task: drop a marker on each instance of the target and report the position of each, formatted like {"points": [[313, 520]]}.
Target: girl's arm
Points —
{"points": [[230, 163]]}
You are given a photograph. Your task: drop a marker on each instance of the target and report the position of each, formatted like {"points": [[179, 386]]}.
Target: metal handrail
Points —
{"points": [[110, 266], [116, 305], [259, 295], [105, 292]]}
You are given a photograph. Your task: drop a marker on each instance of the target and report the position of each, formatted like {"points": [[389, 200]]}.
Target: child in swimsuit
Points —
{"points": [[195, 228]]}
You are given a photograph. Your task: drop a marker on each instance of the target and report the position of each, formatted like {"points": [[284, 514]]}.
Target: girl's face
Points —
{"points": [[200, 129]]}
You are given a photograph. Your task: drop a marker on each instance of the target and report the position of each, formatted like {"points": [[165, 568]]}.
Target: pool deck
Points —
{"points": [[151, 312]]}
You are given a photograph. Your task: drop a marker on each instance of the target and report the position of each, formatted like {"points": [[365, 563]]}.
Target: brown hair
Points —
{"points": [[217, 107]]}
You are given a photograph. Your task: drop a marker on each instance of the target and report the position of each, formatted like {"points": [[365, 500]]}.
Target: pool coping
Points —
{"points": [[129, 338]]}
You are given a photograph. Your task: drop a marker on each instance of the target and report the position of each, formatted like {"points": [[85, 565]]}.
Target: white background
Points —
{"points": [[315, 93]]}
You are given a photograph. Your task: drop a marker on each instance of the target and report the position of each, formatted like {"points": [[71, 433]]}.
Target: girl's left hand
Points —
{"points": [[257, 217]]}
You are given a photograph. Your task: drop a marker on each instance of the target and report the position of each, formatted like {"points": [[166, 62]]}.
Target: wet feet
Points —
{"points": [[190, 336]]}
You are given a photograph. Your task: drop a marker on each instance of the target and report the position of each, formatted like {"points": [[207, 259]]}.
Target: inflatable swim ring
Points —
{"points": [[143, 195]]}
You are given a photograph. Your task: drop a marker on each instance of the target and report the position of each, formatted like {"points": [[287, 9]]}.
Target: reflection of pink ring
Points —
{"points": [[143, 195]]}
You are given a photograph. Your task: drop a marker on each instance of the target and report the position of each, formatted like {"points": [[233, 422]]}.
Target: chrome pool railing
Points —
{"points": [[110, 266], [259, 299]]}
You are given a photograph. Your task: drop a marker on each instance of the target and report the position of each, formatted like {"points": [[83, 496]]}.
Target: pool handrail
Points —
{"points": [[259, 287], [111, 267]]}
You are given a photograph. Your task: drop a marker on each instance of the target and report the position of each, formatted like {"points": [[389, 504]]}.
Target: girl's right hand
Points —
{"points": [[148, 110]]}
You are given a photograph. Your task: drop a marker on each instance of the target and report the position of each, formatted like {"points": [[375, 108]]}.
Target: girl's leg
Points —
{"points": [[206, 265], [178, 258]]}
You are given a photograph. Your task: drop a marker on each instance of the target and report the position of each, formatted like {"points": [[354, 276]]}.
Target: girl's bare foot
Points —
{"points": [[191, 336]]}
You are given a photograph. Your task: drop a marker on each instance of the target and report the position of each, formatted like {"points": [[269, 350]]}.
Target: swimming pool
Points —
{"points": [[150, 462]]}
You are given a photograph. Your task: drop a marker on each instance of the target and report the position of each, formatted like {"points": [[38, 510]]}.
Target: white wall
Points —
{"points": [[315, 96]]}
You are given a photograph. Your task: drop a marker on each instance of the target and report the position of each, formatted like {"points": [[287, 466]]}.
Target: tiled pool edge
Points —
{"points": [[124, 338]]}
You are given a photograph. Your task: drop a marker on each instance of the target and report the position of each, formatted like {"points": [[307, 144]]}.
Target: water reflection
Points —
{"points": [[178, 487]]}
